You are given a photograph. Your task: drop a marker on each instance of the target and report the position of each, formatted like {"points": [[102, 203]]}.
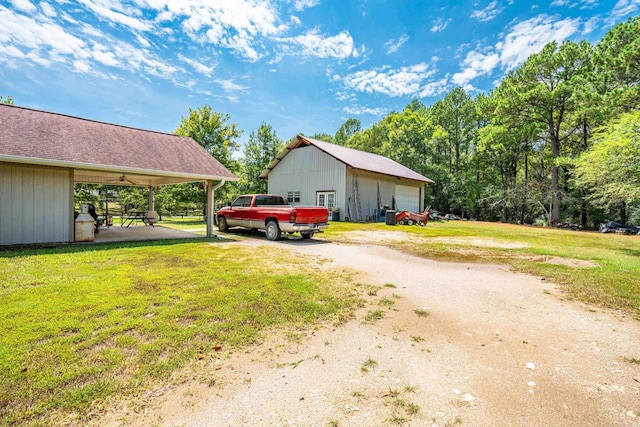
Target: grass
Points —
{"points": [[368, 364], [81, 324], [612, 281], [374, 315]]}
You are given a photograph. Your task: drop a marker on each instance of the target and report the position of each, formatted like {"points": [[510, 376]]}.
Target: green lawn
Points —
{"points": [[81, 323], [612, 281]]}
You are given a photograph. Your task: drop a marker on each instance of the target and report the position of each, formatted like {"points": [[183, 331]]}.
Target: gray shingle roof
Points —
{"points": [[46, 138], [354, 158]]}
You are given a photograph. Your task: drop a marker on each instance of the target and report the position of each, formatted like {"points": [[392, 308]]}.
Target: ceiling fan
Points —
{"points": [[123, 179]]}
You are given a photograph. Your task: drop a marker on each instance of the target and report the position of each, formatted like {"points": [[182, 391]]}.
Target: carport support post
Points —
{"points": [[151, 200], [210, 232]]}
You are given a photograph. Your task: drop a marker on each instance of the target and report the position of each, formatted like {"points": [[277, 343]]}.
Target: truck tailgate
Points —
{"points": [[311, 215]]}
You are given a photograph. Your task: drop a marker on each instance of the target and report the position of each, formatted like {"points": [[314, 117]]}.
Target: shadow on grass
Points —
{"points": [[68, 248], [630, 252], [286, 239]]}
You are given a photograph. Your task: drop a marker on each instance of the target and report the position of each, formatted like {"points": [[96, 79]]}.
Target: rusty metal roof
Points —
{"points": [[45, 138], [353, 158]]}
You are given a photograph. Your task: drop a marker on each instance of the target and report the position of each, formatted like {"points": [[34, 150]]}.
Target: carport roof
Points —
{"points": [[351, 157], [104, 153]]}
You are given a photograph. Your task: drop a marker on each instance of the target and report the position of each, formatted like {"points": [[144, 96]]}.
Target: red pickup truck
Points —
{"points": [[270, 212]]}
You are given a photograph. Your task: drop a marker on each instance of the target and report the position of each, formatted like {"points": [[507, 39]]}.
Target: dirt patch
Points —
{"points": [[497, 348], [567, 262], [480, 243]]}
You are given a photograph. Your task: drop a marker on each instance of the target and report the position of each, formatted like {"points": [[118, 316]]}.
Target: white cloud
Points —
{"points": [[48, 10], [584, 4], [198, 66], [622, 9], [492, 10], [434, 88], [439, 25], [23, 5], [394, 45], [359, 110], [238, 25], [114, 11], [524, 39], [81, 66], [304, 4], [315, 44], [230, 86], [405, 81], [46, 43]]}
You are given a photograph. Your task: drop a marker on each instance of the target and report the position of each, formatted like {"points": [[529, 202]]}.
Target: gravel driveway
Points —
{"points": [[496, 348]]}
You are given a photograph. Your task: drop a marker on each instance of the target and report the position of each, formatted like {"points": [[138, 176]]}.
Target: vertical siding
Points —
{"points": [[308, 170], [34, 204], [368, 190]]}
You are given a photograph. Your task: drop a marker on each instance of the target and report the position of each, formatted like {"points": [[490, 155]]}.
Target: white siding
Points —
{"points": [[309, 170], [35, 204], [368, 184], [407, 198]]}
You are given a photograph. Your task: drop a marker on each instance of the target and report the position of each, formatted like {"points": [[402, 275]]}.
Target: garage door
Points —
{"points": [[407, 198]]}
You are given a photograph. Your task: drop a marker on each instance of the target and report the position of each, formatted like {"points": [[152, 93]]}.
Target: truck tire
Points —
{"points": [[307, 235], [273, 231], [222, 224]]}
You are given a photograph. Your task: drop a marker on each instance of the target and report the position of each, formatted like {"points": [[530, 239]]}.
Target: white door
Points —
{"points": [[326, 199], [407, 198]]}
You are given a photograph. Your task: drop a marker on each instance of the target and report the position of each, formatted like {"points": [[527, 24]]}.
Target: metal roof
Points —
{"points": [[102, 152], [353, 158]]}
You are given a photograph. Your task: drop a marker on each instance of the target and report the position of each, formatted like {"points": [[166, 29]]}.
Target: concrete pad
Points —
{"points": [[137, 233]]}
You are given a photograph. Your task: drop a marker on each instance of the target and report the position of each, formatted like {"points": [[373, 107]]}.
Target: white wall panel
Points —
{"points": [[35, 204], [308, 170]]}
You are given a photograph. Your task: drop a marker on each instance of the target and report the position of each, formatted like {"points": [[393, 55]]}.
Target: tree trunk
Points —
{"points": [[623, 213], [555, 187], [526, 182]]}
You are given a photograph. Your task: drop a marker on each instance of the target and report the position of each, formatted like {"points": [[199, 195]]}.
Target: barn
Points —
{"points": [[353, 184], [43, 155]]}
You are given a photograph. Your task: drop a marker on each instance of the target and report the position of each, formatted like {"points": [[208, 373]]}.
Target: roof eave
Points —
{"points": [[111, 168]]}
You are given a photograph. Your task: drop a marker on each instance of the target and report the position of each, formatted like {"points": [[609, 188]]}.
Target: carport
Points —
{"points": [[43, 155]]}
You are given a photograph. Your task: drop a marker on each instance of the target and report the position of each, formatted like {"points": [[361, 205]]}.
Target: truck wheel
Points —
{"points": [[222, 224], [273, 231], [307, 235]]}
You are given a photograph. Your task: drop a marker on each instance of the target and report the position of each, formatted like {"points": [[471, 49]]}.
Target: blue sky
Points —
{"points": [[298, 65]]}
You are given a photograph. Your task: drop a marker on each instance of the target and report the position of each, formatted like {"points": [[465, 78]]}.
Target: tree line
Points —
{"points": [[558, 140]]}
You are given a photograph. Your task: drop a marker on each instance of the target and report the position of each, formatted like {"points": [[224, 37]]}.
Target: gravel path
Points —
{"points": [[497, 348]]}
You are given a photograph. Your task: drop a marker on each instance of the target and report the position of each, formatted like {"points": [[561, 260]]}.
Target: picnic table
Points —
{"points": [[136, 216]]}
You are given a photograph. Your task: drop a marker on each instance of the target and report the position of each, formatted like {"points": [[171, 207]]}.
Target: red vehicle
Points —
{"points": [[271, 213]]}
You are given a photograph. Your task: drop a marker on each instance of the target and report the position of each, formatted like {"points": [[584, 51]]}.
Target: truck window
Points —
{"points": [[243, 201], [269, 201]]}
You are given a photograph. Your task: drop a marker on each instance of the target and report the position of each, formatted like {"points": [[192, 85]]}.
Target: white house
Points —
{"points": [[359, 184], [43, 154]]}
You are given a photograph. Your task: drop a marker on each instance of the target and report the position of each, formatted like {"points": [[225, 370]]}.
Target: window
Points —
{"points": [[244, 201], [269, 201], [326, 199], [293, 197]]}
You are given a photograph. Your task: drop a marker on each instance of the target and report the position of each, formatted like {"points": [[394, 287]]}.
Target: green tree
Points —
{"points": [[617, 62], [322, 137], [213, 131], [8, 100], [610, 168], [346, 131], [262, 148], [541, 91]]}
